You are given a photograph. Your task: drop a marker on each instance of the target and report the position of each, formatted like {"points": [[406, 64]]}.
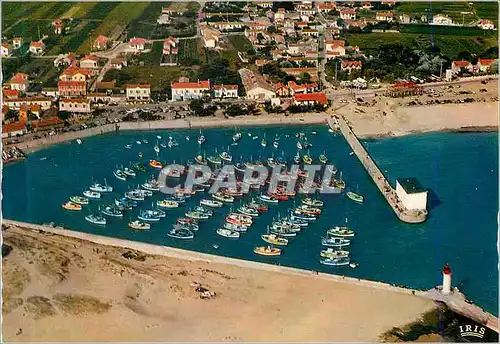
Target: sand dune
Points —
{"points": [[63, 289]]}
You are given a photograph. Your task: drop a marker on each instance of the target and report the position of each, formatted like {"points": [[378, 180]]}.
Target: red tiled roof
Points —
{"points": [[384, 14], [318, 97], [336, 43], [293, 85], [102, 40], [408, 84], [17, 39], [485, 62], [484, 21], [90, 57], [73, 70], [348, 12], [137, 86], [350, 64], [71, 83], [326, 6], [16, 126], [199, 84], [36, 44], [11, 93], [137, 41], [461, 64], [46, 122]]}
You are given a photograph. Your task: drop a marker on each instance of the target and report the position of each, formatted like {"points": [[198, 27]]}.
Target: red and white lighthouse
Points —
{"points": [[446, 279]]}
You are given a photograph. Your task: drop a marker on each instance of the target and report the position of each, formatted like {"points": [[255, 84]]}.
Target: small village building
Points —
{"points": [[163, 19], [311, 99], [37, 48], [384, 16], [457, 66], [13, 129], [301, 89], [256, 87], [137, 43], [404, 19], [10, 94], [349, 66], [190, 90], [89, 62], [71, 88], [47, 124], [486, 24], [411, 193], [296, 72], [74, 73], [335, 46], [210, 36], [225, 91], [101, 43], [404, 89], [348, 14], [19, 82], [326, 7], [64, 60], [80, 105], [17, 42], [58, 26], [441, 19], [484, 65], [366, 5], [16, 103], [118, 63], [6, 49], [138, 92]]}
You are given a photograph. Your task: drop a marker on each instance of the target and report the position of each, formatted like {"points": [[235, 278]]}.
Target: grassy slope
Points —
{"points": [[450, 8], [450, 46], [487, 10], [143, 25]]}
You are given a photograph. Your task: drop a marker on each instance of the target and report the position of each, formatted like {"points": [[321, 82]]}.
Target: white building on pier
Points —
{"points": [[411, 193]]}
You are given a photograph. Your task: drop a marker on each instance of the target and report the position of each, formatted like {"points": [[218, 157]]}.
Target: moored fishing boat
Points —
{"points": [[201, 139], [228, 233], [226, 156], [267, 251], [79, 200], [96, 219], [101, 188], [297, 158], [237, 137], [258, 206], [323, 159], [219, 196], [186, 221], [196, 215], [307, 159], [302, 217], [111, 211], [148, 216], [335, 242], [305, 209], [312, 202], [211, 203], [155, 164], [151, 185], [180, 233], [139, 167], [238, 221], [355, 197], [72, 206], [240, 167], [276, 144], [190, 226], [135, 195], [125, 202], [128, 146], [274, 239], [215, 159], [333, 253], [335, 261], [234, 227], [341, 232], [203, 210], [167, 204], [139, 225], [91, 194], [201, 160], [248, 211], [268, 199], [120, 174]]}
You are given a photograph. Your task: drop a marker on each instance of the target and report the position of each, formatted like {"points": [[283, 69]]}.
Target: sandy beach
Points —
{"points": [[58, 288]]}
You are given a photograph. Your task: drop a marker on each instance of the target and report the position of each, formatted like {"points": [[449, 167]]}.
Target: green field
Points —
{"points": [[240, 43], [446, 30], [144, 25], [28, 29], [158, 77], [42, 71], [449, 45], [152, 58], [453, 9], [487, 10], [190, 51]]}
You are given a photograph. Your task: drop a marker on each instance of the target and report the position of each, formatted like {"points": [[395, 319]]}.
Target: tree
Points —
{"points": [[494, 67], [63, 115], [260, 36], [272, 29], [305, 77], [235, 110], [11, 114]]}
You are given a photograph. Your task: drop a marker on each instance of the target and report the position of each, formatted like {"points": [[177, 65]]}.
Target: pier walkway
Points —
{"points": [[405, 215], [456, 301]]}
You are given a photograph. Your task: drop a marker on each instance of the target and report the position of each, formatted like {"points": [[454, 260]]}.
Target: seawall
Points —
{"points": [[193, 123]]}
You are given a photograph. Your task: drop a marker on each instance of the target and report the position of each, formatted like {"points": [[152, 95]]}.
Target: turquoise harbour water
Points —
{"points": [[459, 169]]}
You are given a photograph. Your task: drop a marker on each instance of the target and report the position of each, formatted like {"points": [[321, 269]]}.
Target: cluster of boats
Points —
{"points": [[335, 241], [284, 229]]}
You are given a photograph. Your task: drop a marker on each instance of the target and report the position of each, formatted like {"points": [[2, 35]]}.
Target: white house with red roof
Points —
{"points": [[348, 14], [225, 91], [19, 82], [138, 92], [326, 7], [80, 105], [6, 49], [318, 98], [484, 65], [89, 62], [301, 89], [170, 46], [100, 43], [384, 16], [485, 24], [190, 90], [456, 66], [37, 48], [137, 43], [334, 48], [17, 42]]}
